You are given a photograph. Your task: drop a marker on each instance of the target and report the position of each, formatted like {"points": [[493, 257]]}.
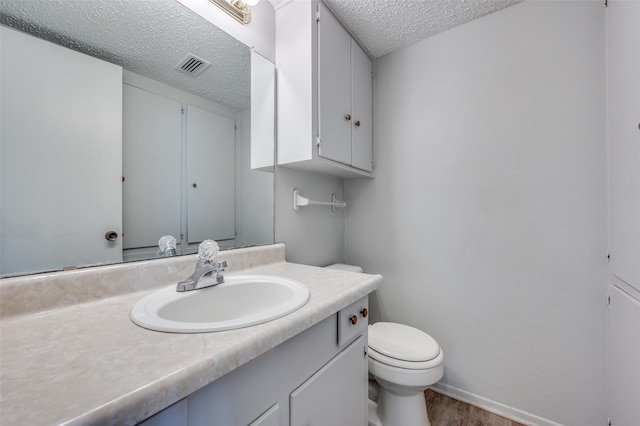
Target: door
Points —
{"points": [[624, 358], [362, 102], [336, 394], [211, 202], [334, 89], [623, 69], [63, 121], [623, 87], [152, 138]]}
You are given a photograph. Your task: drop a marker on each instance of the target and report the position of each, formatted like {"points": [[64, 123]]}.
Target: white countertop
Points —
{"points": [[89, 364]]}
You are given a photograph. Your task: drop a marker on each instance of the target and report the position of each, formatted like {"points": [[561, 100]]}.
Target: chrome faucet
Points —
{"points": [[207, 273]]}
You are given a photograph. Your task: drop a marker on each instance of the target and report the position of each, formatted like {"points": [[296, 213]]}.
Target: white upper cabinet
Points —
{"points": [[324, 93], [344, 95]]}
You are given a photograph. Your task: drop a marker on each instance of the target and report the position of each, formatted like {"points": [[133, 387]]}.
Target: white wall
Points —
{"points": [[487, 216], [314, 235], [254, 191]]}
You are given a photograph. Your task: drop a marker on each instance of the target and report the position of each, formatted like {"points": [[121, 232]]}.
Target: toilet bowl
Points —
{"points": [[404, 361]]}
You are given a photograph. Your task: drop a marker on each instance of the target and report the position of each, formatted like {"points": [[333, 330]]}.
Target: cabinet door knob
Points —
{"points": [[195, 185], [354, 320], [364, 312], [347, 117], [357, 123]]}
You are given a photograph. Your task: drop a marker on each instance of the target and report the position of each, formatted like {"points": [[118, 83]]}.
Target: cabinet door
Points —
{"points": [[334, 89], [362, 106], [175, 415], [336, 394], [151, 145], [61, 133], [210, 176], [271, 417]]}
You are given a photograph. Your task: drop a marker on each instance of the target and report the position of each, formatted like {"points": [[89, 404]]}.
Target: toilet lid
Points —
{"points": [[402, 342]]}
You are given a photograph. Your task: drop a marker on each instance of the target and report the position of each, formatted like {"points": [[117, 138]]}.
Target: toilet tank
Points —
{"points": [[343, 267]]}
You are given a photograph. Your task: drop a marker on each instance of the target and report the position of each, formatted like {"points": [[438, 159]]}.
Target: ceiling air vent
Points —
{"points": [[192, 65]]}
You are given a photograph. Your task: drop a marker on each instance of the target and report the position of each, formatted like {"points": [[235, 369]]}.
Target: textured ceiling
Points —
{"points": [[383, 26], [148, 37]]}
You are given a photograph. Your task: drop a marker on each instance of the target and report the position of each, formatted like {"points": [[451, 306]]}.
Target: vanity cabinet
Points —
{"points": [[317, 377], [325, 118]]}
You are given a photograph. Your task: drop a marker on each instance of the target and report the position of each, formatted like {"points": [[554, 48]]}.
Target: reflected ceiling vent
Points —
{"points": [[193, 65]]}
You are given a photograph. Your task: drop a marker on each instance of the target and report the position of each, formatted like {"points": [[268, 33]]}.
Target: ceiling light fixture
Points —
{"points": [[240, 10]]}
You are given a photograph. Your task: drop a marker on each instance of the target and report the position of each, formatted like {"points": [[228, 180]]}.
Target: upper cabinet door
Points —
{"points": [[152, 169], [334, 89], [211, 176], [61, 118], [362, 104]]}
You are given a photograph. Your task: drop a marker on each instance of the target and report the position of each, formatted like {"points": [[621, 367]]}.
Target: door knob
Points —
{"points": [[357, 123], [347, 117], [111, 235]]}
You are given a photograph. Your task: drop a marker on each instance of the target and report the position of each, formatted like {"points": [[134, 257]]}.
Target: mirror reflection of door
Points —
{"points": [[61, 151], [152, 133], [156, 131], [211, 205]]}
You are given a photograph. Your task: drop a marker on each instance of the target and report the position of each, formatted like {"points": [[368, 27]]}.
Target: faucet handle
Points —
{"points": [[207, 250], [220, 265], [219, 269]]}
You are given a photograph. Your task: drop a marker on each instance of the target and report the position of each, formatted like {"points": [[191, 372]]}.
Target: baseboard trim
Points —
{"points": [[494, 407]]}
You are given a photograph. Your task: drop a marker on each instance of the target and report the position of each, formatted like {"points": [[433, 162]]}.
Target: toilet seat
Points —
{"points": [[402, 346], [405, 365]]}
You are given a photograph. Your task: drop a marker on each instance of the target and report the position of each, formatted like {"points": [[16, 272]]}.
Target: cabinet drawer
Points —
{"points": [[353, 320]]}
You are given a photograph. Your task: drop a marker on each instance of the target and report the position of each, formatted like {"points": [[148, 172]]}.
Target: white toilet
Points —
{"points": [[405, 361]]}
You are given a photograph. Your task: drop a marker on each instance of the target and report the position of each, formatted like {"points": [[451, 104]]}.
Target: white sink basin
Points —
{"points": [[240, 301]]}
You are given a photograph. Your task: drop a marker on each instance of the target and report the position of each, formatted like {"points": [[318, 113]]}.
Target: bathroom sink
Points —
{"points": [[240, 301]]}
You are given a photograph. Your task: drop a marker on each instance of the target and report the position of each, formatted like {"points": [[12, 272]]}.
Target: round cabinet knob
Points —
{"points": [[347, 117], [357, 123], [364, 312], [111, 235], [195, 185], [353, 320]]}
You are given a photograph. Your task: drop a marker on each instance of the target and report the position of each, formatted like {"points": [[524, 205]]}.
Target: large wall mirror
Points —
{"points": [[124, 122]]}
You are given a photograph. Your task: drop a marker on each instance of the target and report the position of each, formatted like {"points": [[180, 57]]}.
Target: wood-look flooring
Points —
{"points": [[445, 411]]}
